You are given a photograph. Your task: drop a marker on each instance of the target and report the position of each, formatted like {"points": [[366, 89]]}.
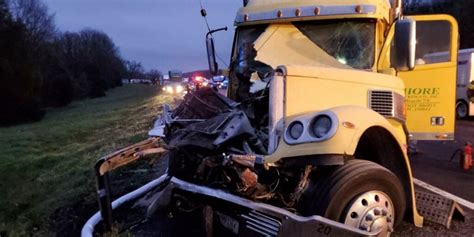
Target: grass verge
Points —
{"points": [[47, 165]]}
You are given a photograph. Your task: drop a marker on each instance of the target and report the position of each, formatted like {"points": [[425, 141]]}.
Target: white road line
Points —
{"points": [[434, 189]]}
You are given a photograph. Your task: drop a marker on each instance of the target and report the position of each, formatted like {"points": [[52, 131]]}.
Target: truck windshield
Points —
{"points": [[344, 43]]}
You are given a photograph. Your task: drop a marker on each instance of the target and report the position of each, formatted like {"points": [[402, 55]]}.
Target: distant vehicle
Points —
{"points": [[465, 79], [175, 75], [224, 84], [140, 81], [174, 84], [198, 82], [220, 82]]}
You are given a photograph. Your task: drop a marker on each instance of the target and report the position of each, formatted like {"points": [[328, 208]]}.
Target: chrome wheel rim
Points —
{"points": [[371, 211]]}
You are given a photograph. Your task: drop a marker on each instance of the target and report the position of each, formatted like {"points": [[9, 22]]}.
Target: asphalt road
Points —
{"points": [[432, 165]]}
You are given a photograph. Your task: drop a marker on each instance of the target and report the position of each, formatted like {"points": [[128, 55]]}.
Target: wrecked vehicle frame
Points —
{"points": [[275, 221], [253, 215]]}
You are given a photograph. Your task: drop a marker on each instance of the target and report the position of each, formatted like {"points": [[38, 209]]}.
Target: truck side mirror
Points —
{"points": [[211, 52], [405, 45], [211, 56]]}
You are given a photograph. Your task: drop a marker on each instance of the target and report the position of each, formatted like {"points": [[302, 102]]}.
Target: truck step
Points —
{"points": [[438, 209]]}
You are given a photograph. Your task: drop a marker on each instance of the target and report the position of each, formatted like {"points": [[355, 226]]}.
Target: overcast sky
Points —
{"points": [[162, 34]]}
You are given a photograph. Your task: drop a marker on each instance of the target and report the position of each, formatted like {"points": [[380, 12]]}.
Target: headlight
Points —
{"points": [[295, 130], [179, 88], [321, 126], [169, 89], [311, 127]]}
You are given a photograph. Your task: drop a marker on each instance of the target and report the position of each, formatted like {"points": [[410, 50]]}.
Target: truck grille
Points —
{"points": [[261, 224], [388, 104]]}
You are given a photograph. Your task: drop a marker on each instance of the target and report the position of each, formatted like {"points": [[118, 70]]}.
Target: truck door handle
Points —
{"points": [[437, 121]]}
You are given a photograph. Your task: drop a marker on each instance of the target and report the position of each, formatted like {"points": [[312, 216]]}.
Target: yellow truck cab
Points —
{"points": [[341, 87], [339, 65]]}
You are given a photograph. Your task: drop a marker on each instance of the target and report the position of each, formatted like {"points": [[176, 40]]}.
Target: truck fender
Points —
{"points": [[388, 138]]}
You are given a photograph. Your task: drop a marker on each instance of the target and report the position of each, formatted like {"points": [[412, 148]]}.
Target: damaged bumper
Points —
{"points": [[208, 141], [244, 217]]}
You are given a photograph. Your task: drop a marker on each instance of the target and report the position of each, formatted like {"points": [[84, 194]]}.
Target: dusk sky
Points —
{"points": [[162, 34]]}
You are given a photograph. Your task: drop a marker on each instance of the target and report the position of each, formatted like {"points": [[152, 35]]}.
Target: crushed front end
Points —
{"points": [[215, 149]]}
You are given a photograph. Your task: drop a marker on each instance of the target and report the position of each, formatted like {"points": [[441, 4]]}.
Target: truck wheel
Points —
{"points": [[360, 193], [462, 110]]}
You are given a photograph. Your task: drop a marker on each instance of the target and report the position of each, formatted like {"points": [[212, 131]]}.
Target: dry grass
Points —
{"points": [[48, 165]]}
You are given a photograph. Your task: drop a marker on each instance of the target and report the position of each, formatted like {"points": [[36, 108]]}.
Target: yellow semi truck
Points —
{"points": [[324, 97]]}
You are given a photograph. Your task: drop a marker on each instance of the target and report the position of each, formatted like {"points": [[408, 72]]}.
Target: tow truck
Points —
{"points": [[323, 99]]}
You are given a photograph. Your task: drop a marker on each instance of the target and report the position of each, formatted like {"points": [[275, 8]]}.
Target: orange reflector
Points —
{"points": [[348, 124], [441, 136]]}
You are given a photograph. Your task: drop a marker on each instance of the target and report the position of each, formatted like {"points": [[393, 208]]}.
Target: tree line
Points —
{"points": [[42, 67]]}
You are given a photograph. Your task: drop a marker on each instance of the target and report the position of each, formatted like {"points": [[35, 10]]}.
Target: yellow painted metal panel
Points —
{"points": [[431, 91], [316, 88]]}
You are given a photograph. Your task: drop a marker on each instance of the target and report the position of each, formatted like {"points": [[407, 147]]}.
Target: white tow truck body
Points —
{"points": [[464, 79], [465, 75]]}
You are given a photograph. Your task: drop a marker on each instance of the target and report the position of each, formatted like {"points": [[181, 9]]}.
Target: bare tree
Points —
{"points": [[36, 18], [39, 34], [155, 76], [134, 69], [93, 61]]}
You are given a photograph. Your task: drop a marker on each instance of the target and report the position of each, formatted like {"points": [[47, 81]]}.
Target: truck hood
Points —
{"points": [[312, 88], [351, 76]]}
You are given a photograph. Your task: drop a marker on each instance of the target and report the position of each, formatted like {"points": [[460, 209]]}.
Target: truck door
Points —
{"points": [[430, 89]]}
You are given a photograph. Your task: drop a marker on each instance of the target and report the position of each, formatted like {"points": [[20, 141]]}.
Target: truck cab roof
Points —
{"points": [[290, 10]]}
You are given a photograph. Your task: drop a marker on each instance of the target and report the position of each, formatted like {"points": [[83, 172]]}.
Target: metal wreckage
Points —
{"points": [[316, 144], [218, 143], [215, 149]]}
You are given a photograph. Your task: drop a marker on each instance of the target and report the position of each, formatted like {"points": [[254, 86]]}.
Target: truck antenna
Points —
{"points": [[204, 14]]}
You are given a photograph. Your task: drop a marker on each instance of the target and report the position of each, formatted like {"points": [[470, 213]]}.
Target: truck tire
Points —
{"points": [[360, 193], [462, 109]]}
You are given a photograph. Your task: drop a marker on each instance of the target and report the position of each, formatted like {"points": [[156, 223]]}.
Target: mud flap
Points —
{"points": [[438, 209]]}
